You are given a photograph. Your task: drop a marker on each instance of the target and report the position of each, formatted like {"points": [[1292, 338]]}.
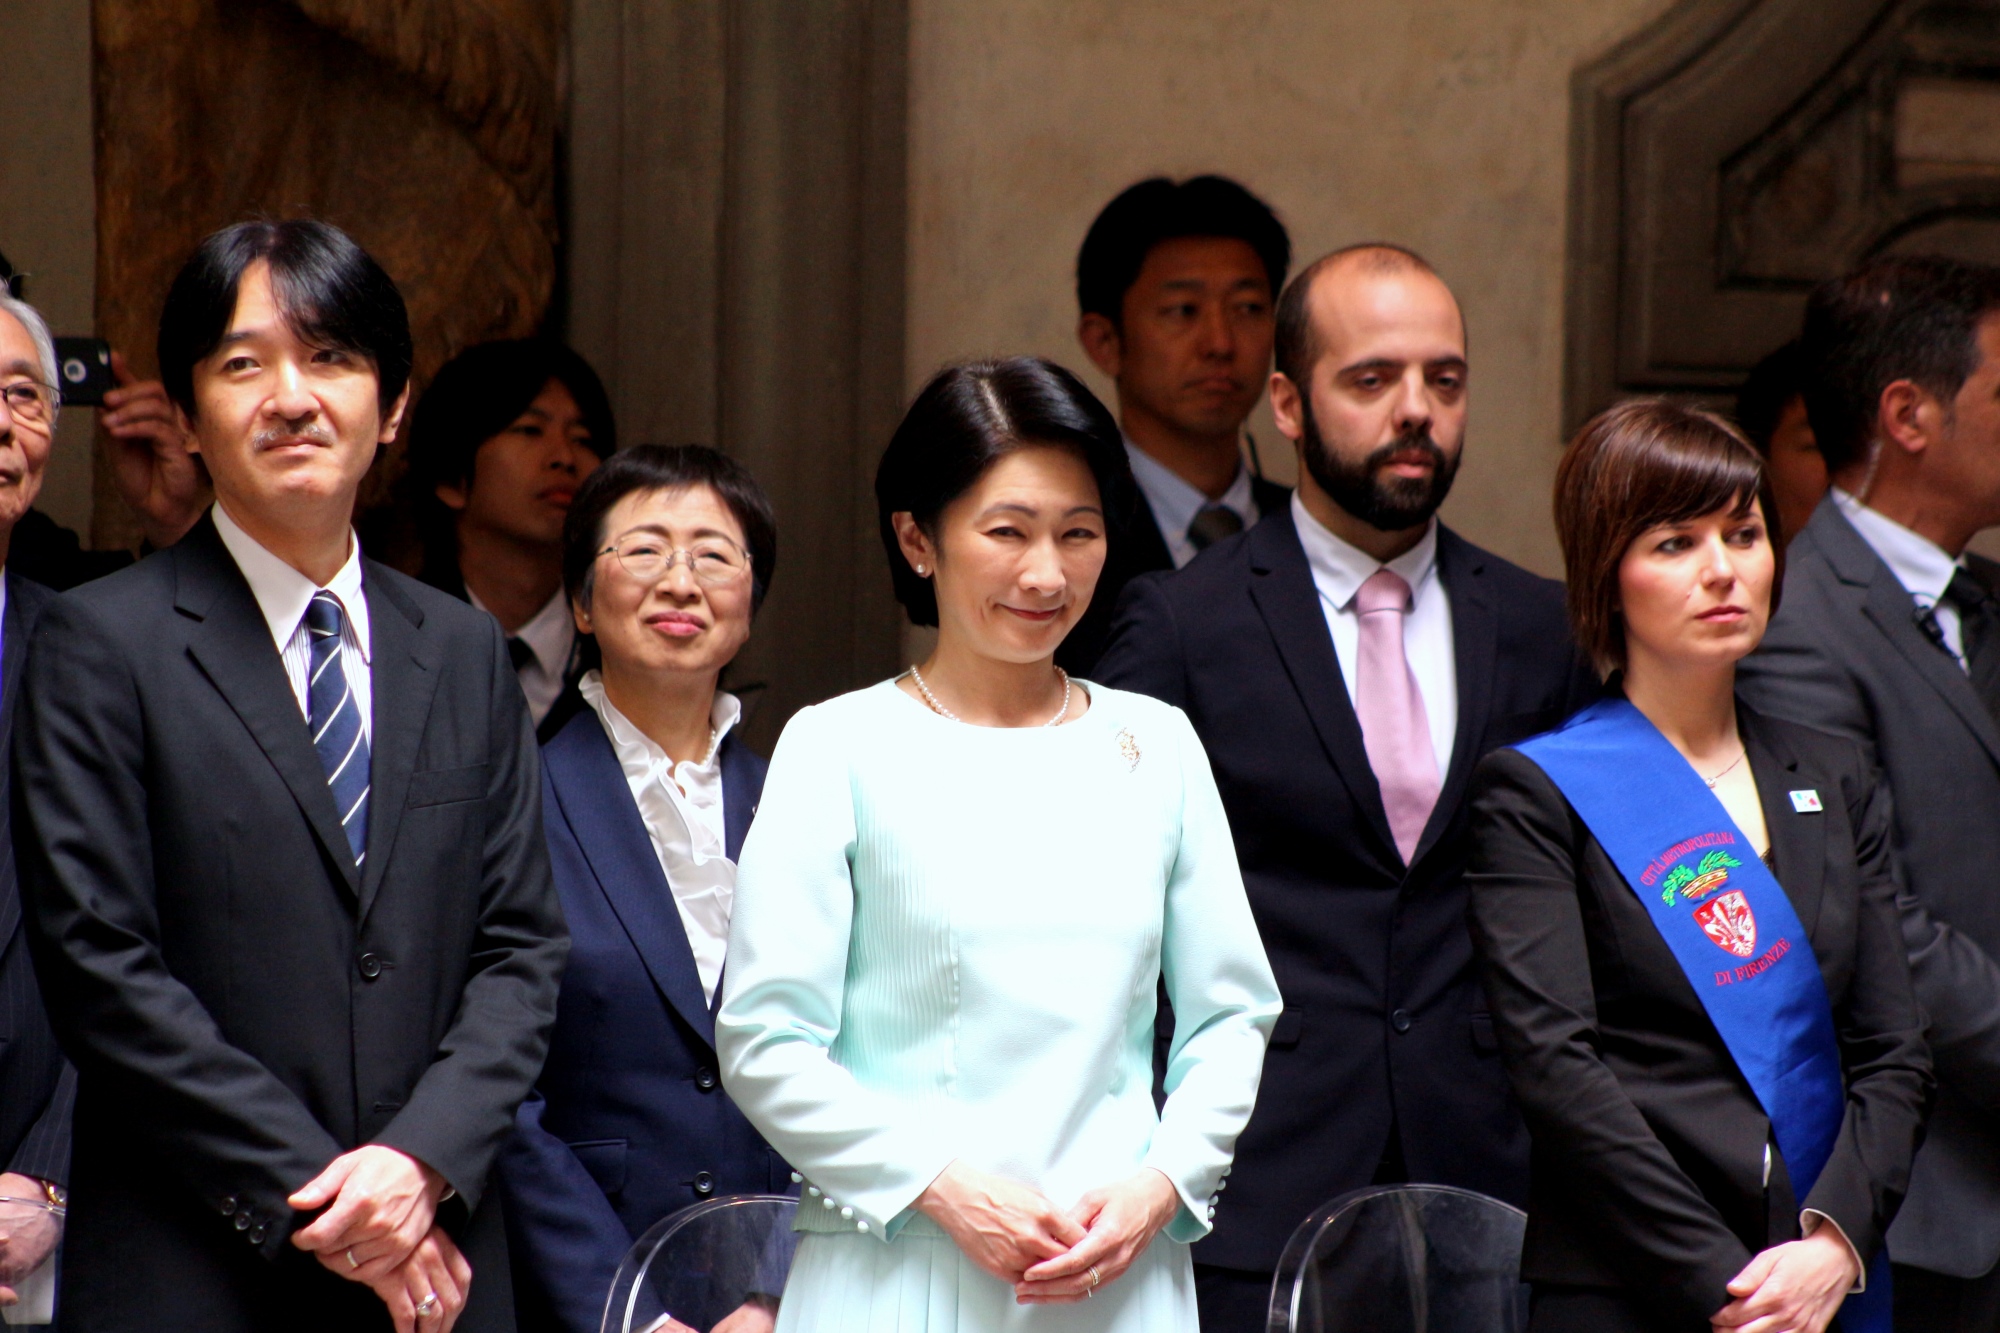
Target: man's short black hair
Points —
{"points": [[1774, 382], [1897, 317], [967, 419], [1157, 210], [483, 390], [475, 396], [330, 292], [661, 467]]}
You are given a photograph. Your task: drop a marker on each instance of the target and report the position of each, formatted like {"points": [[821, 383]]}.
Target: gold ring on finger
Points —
{"points": [[427, 1306], [1094, 1278]]}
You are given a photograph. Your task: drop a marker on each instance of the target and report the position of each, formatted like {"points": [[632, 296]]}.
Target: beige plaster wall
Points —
{"points": [[48, 204], [1440, 124]]}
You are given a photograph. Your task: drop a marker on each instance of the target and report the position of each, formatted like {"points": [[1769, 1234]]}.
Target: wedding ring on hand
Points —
{"points": [[428, 1306], [1091, 1290], [350, 1260]]}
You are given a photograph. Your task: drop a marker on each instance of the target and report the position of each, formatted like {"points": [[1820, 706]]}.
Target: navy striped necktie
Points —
{"points": [[335, 715]]}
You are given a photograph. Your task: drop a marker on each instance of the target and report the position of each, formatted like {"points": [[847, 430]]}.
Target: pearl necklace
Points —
{"points": [[944, 712]]}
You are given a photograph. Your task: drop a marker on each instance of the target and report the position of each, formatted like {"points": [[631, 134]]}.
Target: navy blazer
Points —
{"points": [[629, 1122]]}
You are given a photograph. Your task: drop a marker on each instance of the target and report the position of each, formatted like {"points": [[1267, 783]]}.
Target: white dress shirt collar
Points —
{"points": [[1919, 564], [1339, 568], [549, 633], [681, 805], [283, 593], [1175, 503]]}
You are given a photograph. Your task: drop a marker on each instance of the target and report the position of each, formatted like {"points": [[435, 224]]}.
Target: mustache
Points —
{"points": [[315, 431], [1418, 441]]}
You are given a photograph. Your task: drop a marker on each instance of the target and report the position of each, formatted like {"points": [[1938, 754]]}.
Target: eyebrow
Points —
{"points": [[1390, 363], [1014, 507], [661, 530], [20, 367]]}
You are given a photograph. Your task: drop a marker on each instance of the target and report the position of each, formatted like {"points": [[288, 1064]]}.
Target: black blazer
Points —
{"points": [[1383, 1021], [1138, 547], [37, 1086], [1844, 654], [1648, 1145], [629, 1122], [241, 1002]]}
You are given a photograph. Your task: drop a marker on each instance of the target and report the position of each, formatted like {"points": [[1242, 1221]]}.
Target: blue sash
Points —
{"points": [[1730, 926]]}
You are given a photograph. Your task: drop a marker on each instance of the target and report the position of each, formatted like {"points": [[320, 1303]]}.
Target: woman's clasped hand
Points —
{"points": [[1049, 1256], [1792, 1288]]}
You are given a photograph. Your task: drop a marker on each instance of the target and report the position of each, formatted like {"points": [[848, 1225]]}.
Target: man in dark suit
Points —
{"points": [[1176, 284], [499, 443], [280, 840], [37, 1086], [1889, 633], [1346, 662]]}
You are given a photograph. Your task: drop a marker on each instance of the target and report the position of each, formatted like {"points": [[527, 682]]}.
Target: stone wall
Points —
{"points": [[1440, 124]]}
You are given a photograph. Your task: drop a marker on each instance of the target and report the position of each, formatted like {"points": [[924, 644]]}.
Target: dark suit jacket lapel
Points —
{"points": [[15, 626], [1475, 635], [1282, 588], [1798, 841], [231, 643], [590, 785], [1888, 606], [740, 793], [403, 674]]}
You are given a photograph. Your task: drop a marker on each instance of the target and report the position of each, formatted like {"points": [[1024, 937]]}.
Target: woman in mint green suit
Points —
{"points": [[962, 892]]}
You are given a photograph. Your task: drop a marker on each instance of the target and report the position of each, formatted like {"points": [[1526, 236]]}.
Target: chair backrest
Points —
{"points": [[704, 1262], [1404, 1259]]}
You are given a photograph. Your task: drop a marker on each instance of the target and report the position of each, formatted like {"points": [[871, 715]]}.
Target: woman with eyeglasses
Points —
{"points": [[646, 796]]}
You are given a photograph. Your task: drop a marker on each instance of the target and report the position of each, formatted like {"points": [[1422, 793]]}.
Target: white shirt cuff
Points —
{"points": [[1810, 1220]]}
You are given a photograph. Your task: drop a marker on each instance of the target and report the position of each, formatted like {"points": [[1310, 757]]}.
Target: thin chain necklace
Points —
{"points": [[1727, 771], [944, 712]]}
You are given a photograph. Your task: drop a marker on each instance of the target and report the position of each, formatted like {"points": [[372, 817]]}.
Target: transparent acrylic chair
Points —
{"points": [[720, 1258], [1404, 1259]]}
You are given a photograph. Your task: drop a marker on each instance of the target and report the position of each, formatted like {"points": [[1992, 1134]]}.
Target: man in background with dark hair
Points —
{"points": [[1771, 409], [1889, 632], [1346, 663], [278, 820], [499, 443], [1176, 284]]}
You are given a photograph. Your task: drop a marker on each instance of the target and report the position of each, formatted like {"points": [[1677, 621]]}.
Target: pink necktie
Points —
{"points": [[1393, 723]]}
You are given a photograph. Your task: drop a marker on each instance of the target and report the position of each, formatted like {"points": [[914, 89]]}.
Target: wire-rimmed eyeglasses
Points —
{"points": [[713, 561], [30, 400]]}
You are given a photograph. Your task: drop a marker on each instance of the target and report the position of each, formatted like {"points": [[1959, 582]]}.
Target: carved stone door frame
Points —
{"points": [[1737, 152]]}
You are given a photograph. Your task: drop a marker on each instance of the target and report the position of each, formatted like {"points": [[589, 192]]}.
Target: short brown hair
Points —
{"points": [[1632, 468]]}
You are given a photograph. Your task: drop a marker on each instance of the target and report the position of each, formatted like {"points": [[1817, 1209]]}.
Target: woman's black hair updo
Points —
{"points": [[967, 419]]}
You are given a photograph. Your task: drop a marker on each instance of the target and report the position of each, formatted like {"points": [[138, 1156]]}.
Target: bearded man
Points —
{"points": [[1346, 662]]}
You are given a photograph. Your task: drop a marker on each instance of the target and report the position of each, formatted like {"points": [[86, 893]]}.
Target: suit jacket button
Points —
{"points": [[705, 1079], [242, 1222], [704, 1183], [371, 966], [256, 1235], [228, 1205], [1400, 1020]]}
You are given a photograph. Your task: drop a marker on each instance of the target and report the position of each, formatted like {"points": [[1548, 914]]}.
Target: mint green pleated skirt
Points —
{"points": [[921, 1282]]}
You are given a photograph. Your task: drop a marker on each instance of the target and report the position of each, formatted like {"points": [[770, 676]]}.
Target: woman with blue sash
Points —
{"points": [[1685, 914]]}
